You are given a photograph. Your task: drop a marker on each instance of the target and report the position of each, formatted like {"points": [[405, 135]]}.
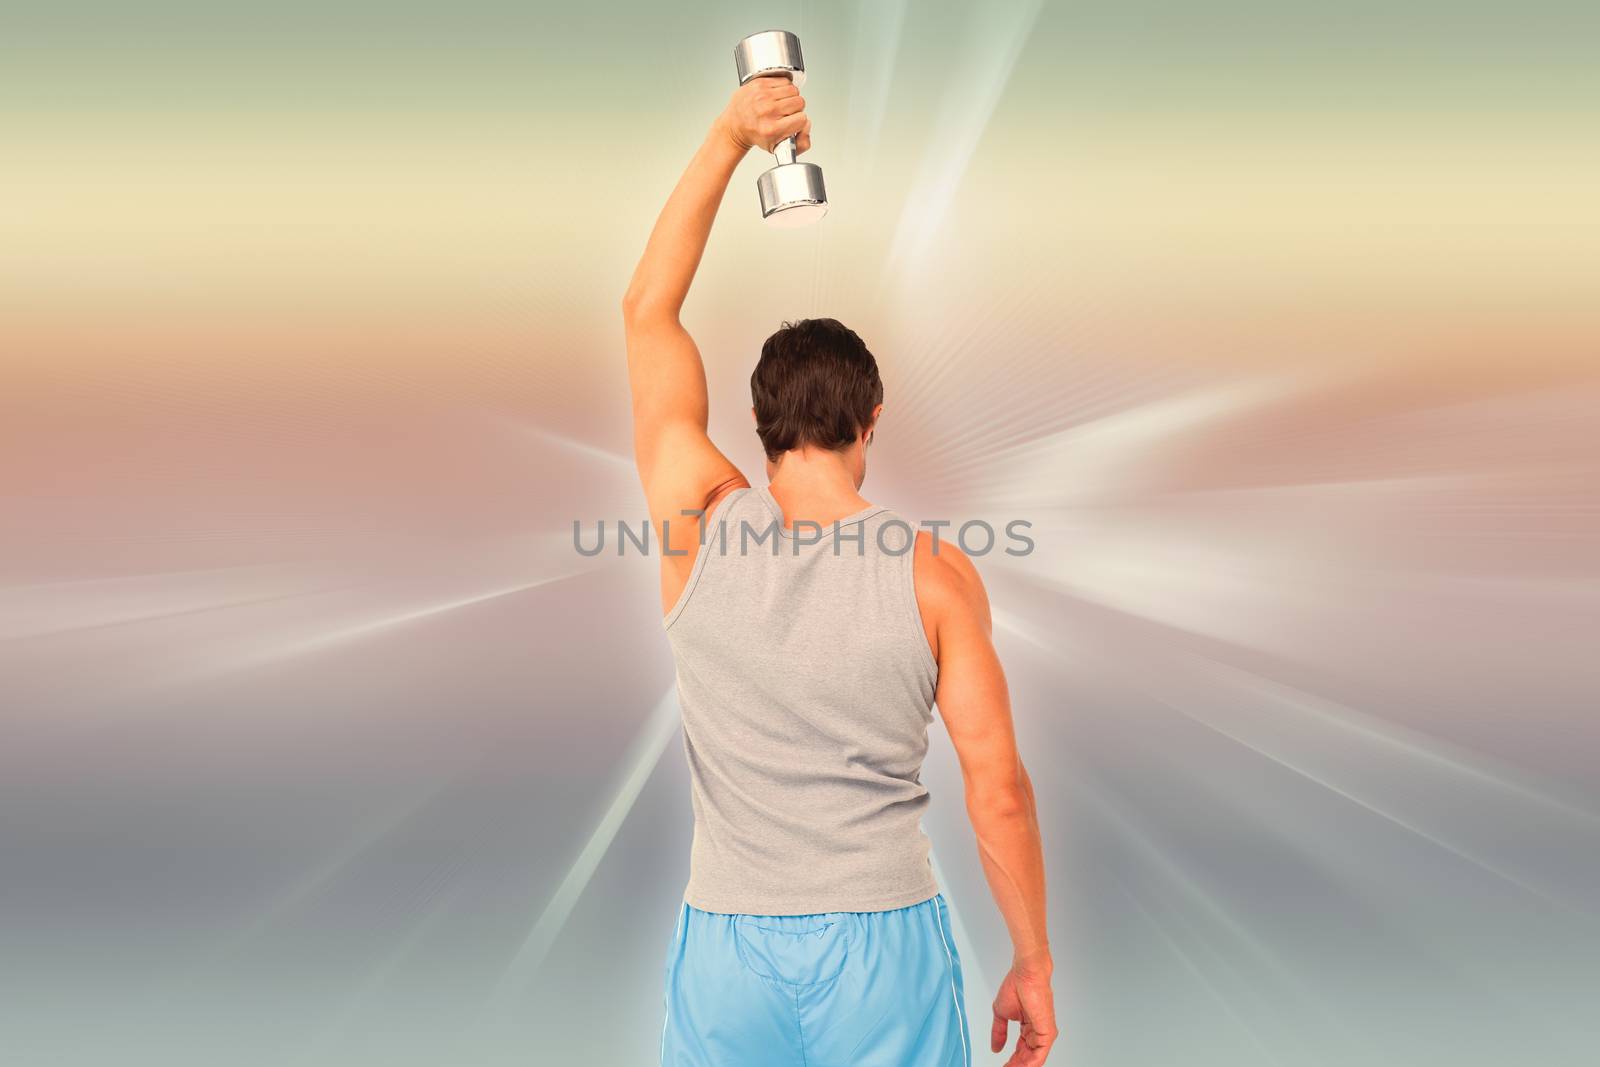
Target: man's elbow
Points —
{"points": [[641, 305], [630, 304], [1011, 799]]}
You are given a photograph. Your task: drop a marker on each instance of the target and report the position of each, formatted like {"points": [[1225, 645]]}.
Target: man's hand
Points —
{"points": [[1026, 997], [764, 111]]}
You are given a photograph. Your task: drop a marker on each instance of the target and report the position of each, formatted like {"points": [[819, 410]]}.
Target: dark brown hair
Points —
{"points": [[815, 384]]}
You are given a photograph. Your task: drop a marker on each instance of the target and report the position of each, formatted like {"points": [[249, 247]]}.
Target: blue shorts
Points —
{"points": [[837, 989]]}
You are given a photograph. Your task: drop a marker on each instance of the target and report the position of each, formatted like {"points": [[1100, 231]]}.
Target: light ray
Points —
{"points": [[1099, 457], [437, 908], [877, 46], [1132, 835], [583, 449], [324, 874], [1158, 685], [1403, 823], [54, 608], [1195, 970], [341, 635], [1374, 731], [640, 762], [1374, 807], [998, 31]]}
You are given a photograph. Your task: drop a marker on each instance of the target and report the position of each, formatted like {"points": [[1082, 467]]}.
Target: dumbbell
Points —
{"points": [[792, 194]]}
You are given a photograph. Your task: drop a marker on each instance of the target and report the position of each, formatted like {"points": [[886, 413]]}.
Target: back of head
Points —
{"points": [[815, 385]]}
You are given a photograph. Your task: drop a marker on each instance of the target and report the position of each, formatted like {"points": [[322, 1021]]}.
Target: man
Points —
{"points": [[813, 635]]}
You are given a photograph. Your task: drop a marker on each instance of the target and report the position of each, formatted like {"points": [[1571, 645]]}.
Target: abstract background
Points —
{"points": [[1278, 321]]}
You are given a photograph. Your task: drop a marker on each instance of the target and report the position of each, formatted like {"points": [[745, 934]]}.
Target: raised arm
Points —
{"points": [[976, 708], [679, 466]]}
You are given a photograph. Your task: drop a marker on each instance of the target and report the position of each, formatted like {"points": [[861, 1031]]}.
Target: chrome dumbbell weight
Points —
{"points": [[792, 193]]}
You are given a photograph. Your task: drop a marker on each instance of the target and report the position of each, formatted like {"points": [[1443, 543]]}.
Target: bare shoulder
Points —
{"points": [[949, 589], [945, 571]]}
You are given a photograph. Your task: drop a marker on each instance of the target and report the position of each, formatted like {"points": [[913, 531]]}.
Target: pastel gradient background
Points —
{"points": [[321, 745]]}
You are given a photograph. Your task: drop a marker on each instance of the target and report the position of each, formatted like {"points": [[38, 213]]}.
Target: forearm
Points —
{"points": [[1012, 853], [661, 280]]}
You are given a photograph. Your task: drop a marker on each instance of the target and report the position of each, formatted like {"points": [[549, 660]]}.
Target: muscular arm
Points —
{"points": [[679, 466], [976, 708]]}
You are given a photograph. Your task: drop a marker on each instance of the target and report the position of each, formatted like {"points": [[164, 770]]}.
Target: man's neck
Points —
{"points": [[814, 484]]}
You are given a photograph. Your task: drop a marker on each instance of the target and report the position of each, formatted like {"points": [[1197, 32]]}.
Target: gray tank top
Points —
{"points": [[806, 684]]}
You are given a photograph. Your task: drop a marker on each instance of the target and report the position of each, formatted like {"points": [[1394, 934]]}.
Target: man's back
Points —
{"points": [[807, 687]]}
